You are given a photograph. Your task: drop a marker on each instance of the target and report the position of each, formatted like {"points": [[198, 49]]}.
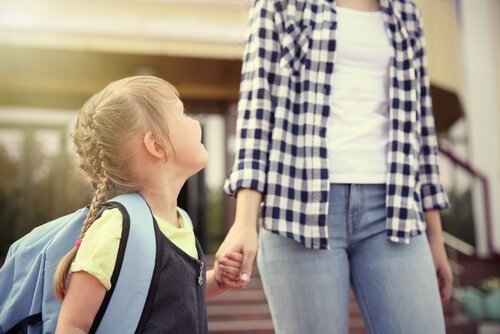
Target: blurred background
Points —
{"points": [[54, 54]]}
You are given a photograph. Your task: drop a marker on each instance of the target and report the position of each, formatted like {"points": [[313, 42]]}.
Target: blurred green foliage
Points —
{"points": [[216, 220]]}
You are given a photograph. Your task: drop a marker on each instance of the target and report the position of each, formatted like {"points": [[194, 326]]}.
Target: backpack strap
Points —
{"points": [[128, 298]]}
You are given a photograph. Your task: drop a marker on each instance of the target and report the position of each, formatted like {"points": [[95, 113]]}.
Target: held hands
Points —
{"points": [[229, 268], [242, 236], [242, 239]]}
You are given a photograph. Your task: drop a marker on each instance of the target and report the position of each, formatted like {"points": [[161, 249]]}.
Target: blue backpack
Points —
{"points": [[27, 301]]}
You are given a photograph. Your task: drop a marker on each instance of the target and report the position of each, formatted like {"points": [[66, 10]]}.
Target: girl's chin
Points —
{"points": [[206, 159], [203, 159]]}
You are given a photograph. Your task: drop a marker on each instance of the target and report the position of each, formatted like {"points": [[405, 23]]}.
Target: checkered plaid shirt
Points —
{"points": [[281, 146]]}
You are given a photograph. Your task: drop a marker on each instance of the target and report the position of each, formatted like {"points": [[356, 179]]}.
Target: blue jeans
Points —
{"points": [[395, 284]]}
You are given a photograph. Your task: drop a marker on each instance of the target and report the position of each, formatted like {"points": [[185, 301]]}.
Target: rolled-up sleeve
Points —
{"points": [[432, 191], [255, 107]]}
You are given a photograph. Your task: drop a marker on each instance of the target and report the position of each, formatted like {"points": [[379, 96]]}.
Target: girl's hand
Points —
{"points": [[229, 270], [230, 266]]}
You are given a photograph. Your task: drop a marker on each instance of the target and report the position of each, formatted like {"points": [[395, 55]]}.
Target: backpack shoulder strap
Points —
{"points": [[128, 298]]}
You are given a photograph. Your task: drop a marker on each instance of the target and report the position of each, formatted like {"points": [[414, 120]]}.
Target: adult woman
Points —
{"points": [[336, 140]]}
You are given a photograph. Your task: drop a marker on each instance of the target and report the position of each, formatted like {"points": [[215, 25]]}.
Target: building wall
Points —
{"points": [[495, 22], [479, 37], [464, 51], [442, 33]]}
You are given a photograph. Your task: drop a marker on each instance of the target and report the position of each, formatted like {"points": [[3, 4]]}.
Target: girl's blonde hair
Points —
{"points": [[104, 127]]}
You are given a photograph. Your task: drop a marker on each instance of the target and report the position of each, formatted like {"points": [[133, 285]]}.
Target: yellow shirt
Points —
{"points": [[99, 248]]}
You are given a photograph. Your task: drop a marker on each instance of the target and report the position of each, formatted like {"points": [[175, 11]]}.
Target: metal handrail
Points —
{"points": [[486, 193], [458, 244], [455, 246]]}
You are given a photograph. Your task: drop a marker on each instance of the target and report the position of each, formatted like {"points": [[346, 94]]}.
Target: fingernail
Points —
{"points": [[244, 277]]}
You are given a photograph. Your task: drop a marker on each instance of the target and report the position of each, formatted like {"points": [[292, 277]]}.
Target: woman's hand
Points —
{"points": [[443, 270], [242, 236], [436, 243]]}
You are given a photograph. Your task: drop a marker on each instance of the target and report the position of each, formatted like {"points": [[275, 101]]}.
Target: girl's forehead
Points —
{"points": [[170, 92], [178, 103], [175, 108]]}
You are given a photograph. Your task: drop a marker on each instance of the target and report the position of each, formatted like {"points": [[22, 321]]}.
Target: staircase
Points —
{"points": [[246, 311]]}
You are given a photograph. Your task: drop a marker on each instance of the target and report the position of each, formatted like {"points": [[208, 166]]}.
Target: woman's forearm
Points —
{"points": [[433, 221], [247, 206]]}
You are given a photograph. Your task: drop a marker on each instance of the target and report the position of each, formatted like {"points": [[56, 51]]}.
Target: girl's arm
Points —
{"points": [[81, 303], [213, 288]]}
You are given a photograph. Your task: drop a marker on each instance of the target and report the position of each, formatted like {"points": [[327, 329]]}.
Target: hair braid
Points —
{"points": [[95, 205], [97, 170]]}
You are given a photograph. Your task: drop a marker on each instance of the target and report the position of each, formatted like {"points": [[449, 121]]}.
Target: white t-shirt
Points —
{"points": [[358, 126]]}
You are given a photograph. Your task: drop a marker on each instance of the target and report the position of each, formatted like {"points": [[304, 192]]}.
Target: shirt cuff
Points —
{"points": [[248, 178], [434, 197]]}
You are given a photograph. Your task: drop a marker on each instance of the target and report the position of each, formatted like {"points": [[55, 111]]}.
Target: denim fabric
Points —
{"points": [[395, 284]]}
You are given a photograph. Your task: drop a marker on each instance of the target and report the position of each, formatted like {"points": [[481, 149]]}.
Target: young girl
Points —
{"points": [[134, 136]]}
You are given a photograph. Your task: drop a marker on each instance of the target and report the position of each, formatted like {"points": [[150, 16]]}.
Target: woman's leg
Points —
{"points": [[308, 290], [395, 284]]}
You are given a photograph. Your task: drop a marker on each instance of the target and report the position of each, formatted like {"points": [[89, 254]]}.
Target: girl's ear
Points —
{"points": [[153, 146]]}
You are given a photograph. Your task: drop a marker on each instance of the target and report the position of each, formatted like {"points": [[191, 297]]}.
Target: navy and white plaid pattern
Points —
{"points": [[283, 109]]}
